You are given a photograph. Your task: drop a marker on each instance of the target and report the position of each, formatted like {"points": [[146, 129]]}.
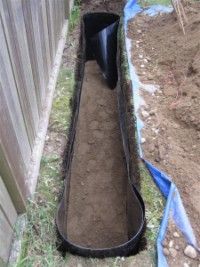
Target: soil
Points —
{"points": [[97, 199], [170, 60], [102, 6]]}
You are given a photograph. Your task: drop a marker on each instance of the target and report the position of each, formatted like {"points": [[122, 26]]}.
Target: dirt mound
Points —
{"points": [[165, 57]]}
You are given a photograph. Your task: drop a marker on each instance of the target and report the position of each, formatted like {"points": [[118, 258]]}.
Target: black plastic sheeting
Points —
{"points": [[101, 43], [98, 41]]}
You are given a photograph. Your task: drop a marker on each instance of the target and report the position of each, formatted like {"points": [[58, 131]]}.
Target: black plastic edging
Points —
{"points": [[99, 41]]}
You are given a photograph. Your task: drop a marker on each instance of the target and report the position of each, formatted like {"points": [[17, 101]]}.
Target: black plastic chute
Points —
{"points": [[101, 43]]}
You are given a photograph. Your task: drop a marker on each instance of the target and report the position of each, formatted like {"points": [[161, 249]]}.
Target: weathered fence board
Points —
{"points": [[13, 23], [30, 52], [6, 204], [9, 91], [5, 236]]}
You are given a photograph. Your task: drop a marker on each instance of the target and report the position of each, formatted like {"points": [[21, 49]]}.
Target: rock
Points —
{"points": [[157, 159], [185, 264], [152, 113], [177, 247], [144, 113], [142, 66], [143, 140], [150, 77], [173, 252], [90, 142], [164, 243], [171, 243], [165, 251], [139, 31], [175, 234], [151, 148], [190, 252], [140, 56]]}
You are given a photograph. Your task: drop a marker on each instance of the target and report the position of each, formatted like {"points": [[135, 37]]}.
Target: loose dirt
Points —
{"points": [[97, 198], [170, 60], [105, 6]]}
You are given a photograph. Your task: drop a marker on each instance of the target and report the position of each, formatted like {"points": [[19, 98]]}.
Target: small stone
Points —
{"points": [[164, 242], [152, 113], [173, 252], [151, 148], [157, 159], [142, 66], [165, 251], [139, 31], [90, 142], [175, 234], [143, 140], [145, 60], [190, 252], [140, 56], [144, 113], [185, 264], [171, 243], [177, 247]]}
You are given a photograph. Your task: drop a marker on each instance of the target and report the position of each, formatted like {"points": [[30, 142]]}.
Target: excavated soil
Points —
{"points": [[97, 199], [170, 60], [105, 6]]}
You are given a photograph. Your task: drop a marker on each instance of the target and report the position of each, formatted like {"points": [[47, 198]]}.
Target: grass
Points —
{"points": [[75, 15], [61, 112], [154, 204], [39, 241], [145, 3]]}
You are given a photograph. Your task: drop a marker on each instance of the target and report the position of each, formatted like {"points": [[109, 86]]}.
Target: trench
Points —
{"points": [[101, 213], [98, 171]]}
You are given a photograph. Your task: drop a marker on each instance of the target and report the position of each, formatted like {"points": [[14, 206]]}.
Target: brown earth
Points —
{"points": [[164, 56], [104, 6], [97, 199]]}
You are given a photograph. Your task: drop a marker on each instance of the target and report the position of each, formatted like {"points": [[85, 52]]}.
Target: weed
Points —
{"points": [[145, 3], [154, 203], [74, 16], [60, 119]]}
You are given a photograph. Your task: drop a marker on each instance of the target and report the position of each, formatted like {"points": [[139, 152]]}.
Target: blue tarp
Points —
{"points": [[174, 206]]}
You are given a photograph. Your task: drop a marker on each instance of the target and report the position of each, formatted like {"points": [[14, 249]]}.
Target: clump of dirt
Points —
{"points": [[170, 60], [97, 213], [99, 5]]}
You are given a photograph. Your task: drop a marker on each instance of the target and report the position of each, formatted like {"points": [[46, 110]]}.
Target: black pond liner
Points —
{"points": [[99, 40]]}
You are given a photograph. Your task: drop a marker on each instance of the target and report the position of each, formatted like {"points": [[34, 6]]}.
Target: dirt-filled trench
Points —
{"points": [[97, 200]]}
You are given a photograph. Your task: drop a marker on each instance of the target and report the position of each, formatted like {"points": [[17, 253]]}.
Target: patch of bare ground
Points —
{"points": [[164, 56]]}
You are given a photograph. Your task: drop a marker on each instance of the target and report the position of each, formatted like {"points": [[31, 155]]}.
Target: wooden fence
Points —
{"points": [[30, 31]]}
